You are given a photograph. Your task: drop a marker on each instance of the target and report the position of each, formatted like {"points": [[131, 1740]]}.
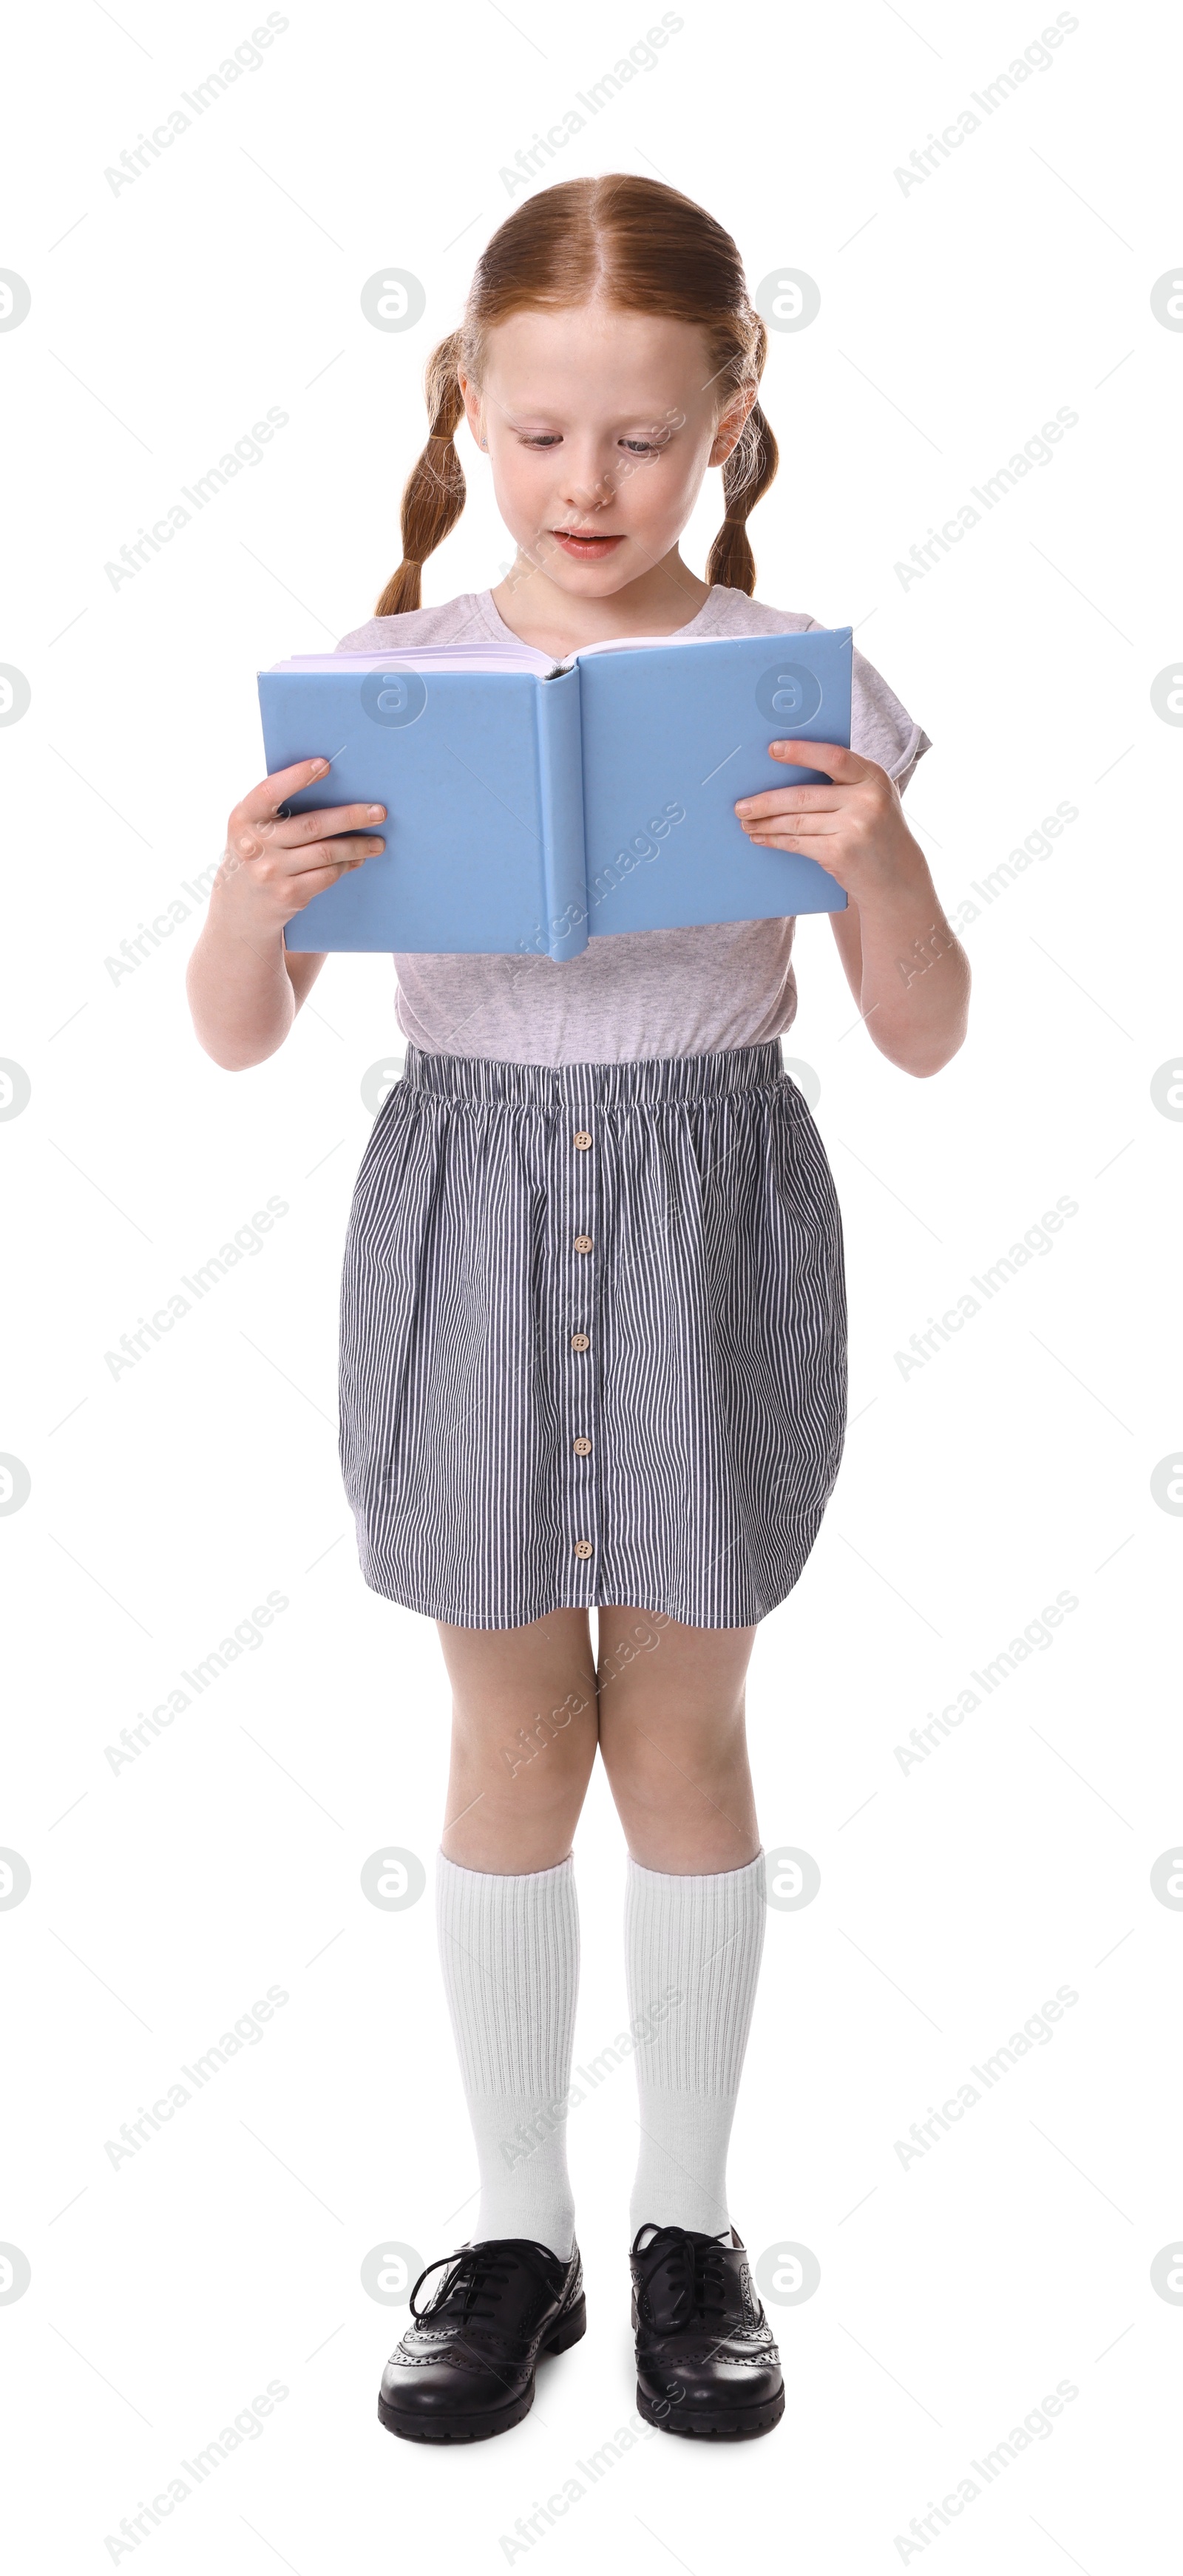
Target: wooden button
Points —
{"points": [[583, 1243], [582, 1139], [583, 1547], [583, 1448], [580, 1342]]}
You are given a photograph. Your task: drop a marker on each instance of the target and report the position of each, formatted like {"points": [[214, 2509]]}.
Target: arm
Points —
{"points": [[907, 971], [244, 990]]}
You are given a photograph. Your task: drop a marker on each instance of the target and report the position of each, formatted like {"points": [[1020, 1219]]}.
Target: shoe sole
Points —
{"points": [[481, 2428], [728, 2425]]}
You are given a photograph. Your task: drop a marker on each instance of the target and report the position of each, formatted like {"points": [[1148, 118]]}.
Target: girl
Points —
{"points": [[593, 1303]]}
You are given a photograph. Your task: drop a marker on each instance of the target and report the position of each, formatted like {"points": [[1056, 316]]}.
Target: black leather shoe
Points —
{"points": [[465, 2367], [706, 2360]]}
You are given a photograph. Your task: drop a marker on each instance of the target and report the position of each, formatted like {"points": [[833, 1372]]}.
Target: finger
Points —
{"points": [[789, 800], [806, 844], [845, 767], [323, 824], [263, 802], [300, 866], [314, 881], [322, 853], [789, 829]]}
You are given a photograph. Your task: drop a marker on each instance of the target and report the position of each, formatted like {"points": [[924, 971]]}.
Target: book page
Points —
{"points": [[485, 656], [636, 643], [491, 656]]}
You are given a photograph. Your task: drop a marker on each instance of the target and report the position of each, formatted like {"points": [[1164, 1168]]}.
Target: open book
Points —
{"points": [[532, 805]]}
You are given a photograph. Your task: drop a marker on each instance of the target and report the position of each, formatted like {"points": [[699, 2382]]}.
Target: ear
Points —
{"points": [[472, 406], [731, 423]]}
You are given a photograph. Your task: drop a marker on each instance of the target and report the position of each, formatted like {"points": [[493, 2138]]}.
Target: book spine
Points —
{"points": [[560, 798]]}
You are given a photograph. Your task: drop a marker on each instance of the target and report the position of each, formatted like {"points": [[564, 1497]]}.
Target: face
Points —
{"points": [[600, 426]]}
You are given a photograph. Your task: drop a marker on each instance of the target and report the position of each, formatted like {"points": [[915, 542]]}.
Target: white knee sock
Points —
{"points": [[509, 1948], [693, 1944]]}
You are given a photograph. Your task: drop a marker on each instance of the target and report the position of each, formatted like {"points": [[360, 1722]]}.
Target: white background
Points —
{"points": [[956, 1895]]}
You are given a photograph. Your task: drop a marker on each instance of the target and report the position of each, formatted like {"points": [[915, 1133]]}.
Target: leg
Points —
{"points": [[672, 1736], [523, 1741], [523, 1744]]}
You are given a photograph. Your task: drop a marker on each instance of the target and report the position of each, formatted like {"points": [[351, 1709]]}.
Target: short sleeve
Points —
{"points": [[880, 728]]}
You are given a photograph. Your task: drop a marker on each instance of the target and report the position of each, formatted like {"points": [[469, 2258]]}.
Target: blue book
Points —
{"points": [[533, 805]]}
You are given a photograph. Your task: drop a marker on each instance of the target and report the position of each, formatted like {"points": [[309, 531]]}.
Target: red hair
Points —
{"points": [[643, 248]]}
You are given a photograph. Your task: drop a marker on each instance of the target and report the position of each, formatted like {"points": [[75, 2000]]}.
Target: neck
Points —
{"points": [[557, 621]]}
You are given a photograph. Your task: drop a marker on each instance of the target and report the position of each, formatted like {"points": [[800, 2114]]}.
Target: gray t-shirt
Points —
{"points": [[635, 992]]}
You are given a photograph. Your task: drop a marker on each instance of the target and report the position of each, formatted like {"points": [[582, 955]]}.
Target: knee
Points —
{"points": [[546, 1756], [545, 1753], [661, 1755], [644, 1786]]}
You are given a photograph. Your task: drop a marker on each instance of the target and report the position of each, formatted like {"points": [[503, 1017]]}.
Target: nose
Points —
{"points": [[588, 483]]}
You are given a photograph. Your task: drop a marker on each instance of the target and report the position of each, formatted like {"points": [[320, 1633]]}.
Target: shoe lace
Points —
{"points": [[695, 2271], [479, 2273]]}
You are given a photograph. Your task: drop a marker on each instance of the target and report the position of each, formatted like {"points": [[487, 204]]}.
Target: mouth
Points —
{"points": [[585, 545]]}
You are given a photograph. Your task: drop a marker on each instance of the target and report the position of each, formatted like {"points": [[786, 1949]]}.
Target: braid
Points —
{"points": [[433, 495], [746, 476]]}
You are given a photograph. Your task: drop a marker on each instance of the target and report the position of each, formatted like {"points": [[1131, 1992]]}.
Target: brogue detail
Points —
{"points": [[464, 2369], [707, 2362]]}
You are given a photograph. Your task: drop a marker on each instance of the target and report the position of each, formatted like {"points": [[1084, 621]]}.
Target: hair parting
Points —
{"points": [[643, 248]]}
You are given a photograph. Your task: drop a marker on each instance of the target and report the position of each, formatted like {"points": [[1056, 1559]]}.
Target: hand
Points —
{"points": [[854, 826], [274, 865]]}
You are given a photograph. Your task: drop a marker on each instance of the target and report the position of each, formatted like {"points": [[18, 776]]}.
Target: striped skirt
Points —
{"points": [[593, 1338]]}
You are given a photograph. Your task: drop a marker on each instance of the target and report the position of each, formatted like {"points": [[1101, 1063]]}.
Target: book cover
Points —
{"points": [[532, 805]]}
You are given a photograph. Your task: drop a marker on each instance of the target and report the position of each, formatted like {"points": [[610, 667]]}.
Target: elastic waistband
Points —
{"points": [[642, 1082]]}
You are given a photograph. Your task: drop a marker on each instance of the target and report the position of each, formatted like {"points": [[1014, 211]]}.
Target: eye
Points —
{"points": [[544, 438], [640, 446]]}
